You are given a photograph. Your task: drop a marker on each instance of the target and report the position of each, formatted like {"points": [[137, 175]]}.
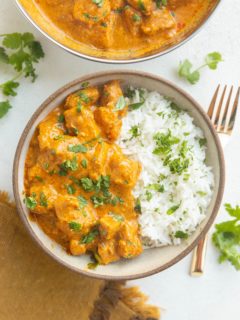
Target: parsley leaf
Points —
{"points": [[226, 237]]}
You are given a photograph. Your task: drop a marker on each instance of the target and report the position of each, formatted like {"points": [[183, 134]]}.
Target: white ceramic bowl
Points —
{"points": [[152, 260]]}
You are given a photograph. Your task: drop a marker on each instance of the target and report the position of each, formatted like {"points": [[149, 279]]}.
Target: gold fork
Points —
{"points": [[223, 117]]}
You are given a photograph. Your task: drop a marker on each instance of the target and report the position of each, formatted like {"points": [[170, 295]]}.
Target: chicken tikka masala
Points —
{"points": [[78, 182], [118, 28]]}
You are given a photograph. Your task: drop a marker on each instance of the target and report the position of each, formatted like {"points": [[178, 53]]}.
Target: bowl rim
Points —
{"points": [[150, 56], [41, 108]]}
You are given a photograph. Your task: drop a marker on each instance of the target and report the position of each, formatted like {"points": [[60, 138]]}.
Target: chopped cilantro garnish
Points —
{"points": [[75, 226], [84, 163], [90, 237], [70, 189], [181, 235], [171, 210], [120, 105], [43, 200], [30, 202], [116, 217], [164, 142], [77, 148]]}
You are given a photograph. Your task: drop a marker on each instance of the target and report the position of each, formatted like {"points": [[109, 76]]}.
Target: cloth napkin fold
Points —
{"points": [[35, 287]]}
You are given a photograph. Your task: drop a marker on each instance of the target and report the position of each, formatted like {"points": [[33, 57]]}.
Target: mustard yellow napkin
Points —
{"points": [[34, 287]]}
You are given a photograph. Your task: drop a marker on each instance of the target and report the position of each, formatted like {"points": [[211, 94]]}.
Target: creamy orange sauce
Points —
{"points": [[118, 28], [78, 182]]}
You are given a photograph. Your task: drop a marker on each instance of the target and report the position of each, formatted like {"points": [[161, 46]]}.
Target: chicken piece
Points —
{"points": [[48, 130], [133, 20], [75, 215], [45, 197], [117, 4], [109, 122], [97, 166], [103, 35], [82, 124], [111, 93], [107, 251], [159, 20], [129, 249], [124, 171], [129, 244], [76, 248], [90, 12], [55, 2], [85, 97], [173, 4], [36, 173], [110, 224], [144, 6]]}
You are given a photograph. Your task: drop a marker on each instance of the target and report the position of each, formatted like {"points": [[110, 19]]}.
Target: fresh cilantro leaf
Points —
{"points": [[120, 105], [212, 60], [116, 217], [181, 235], [36, 50], [43, 200], [82, 202], [185, 67], [87, 184], [4, 108], [184, 71], [84, 163], [30, 202], [70, 189], [3, 55], [164, 142], [74, 226], [77, 148], [99, 3], [90, 237], [13, 40], [61, 118], [226, 237], [8, 88], [135, 106], [171, 210], [27, 37]]}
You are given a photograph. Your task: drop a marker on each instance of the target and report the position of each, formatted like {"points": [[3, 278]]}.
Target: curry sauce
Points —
{"points": [[118, 28], [78, 182]]}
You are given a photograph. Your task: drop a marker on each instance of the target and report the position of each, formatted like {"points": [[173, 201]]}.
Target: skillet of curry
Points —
{"points": [[78, 182], [119, 29]]}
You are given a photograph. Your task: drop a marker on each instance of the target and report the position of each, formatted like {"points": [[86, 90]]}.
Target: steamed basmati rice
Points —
{"points": [[175, 185]]}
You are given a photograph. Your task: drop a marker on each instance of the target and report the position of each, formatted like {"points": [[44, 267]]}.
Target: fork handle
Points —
{"points": [[198, 258]]}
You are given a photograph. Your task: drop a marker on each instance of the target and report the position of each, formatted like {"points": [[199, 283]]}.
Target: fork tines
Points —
{"points": [[223, 112]]}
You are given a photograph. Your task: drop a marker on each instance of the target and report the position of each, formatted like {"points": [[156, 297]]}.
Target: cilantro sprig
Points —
{"points": [[21, 52], [226, 237], [193, 76]]}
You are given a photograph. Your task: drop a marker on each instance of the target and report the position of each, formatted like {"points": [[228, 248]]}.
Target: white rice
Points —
{"points": [[190, 191]]}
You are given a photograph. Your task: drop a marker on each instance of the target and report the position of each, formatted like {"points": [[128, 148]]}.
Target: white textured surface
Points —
{"points": [[217, 294]]}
